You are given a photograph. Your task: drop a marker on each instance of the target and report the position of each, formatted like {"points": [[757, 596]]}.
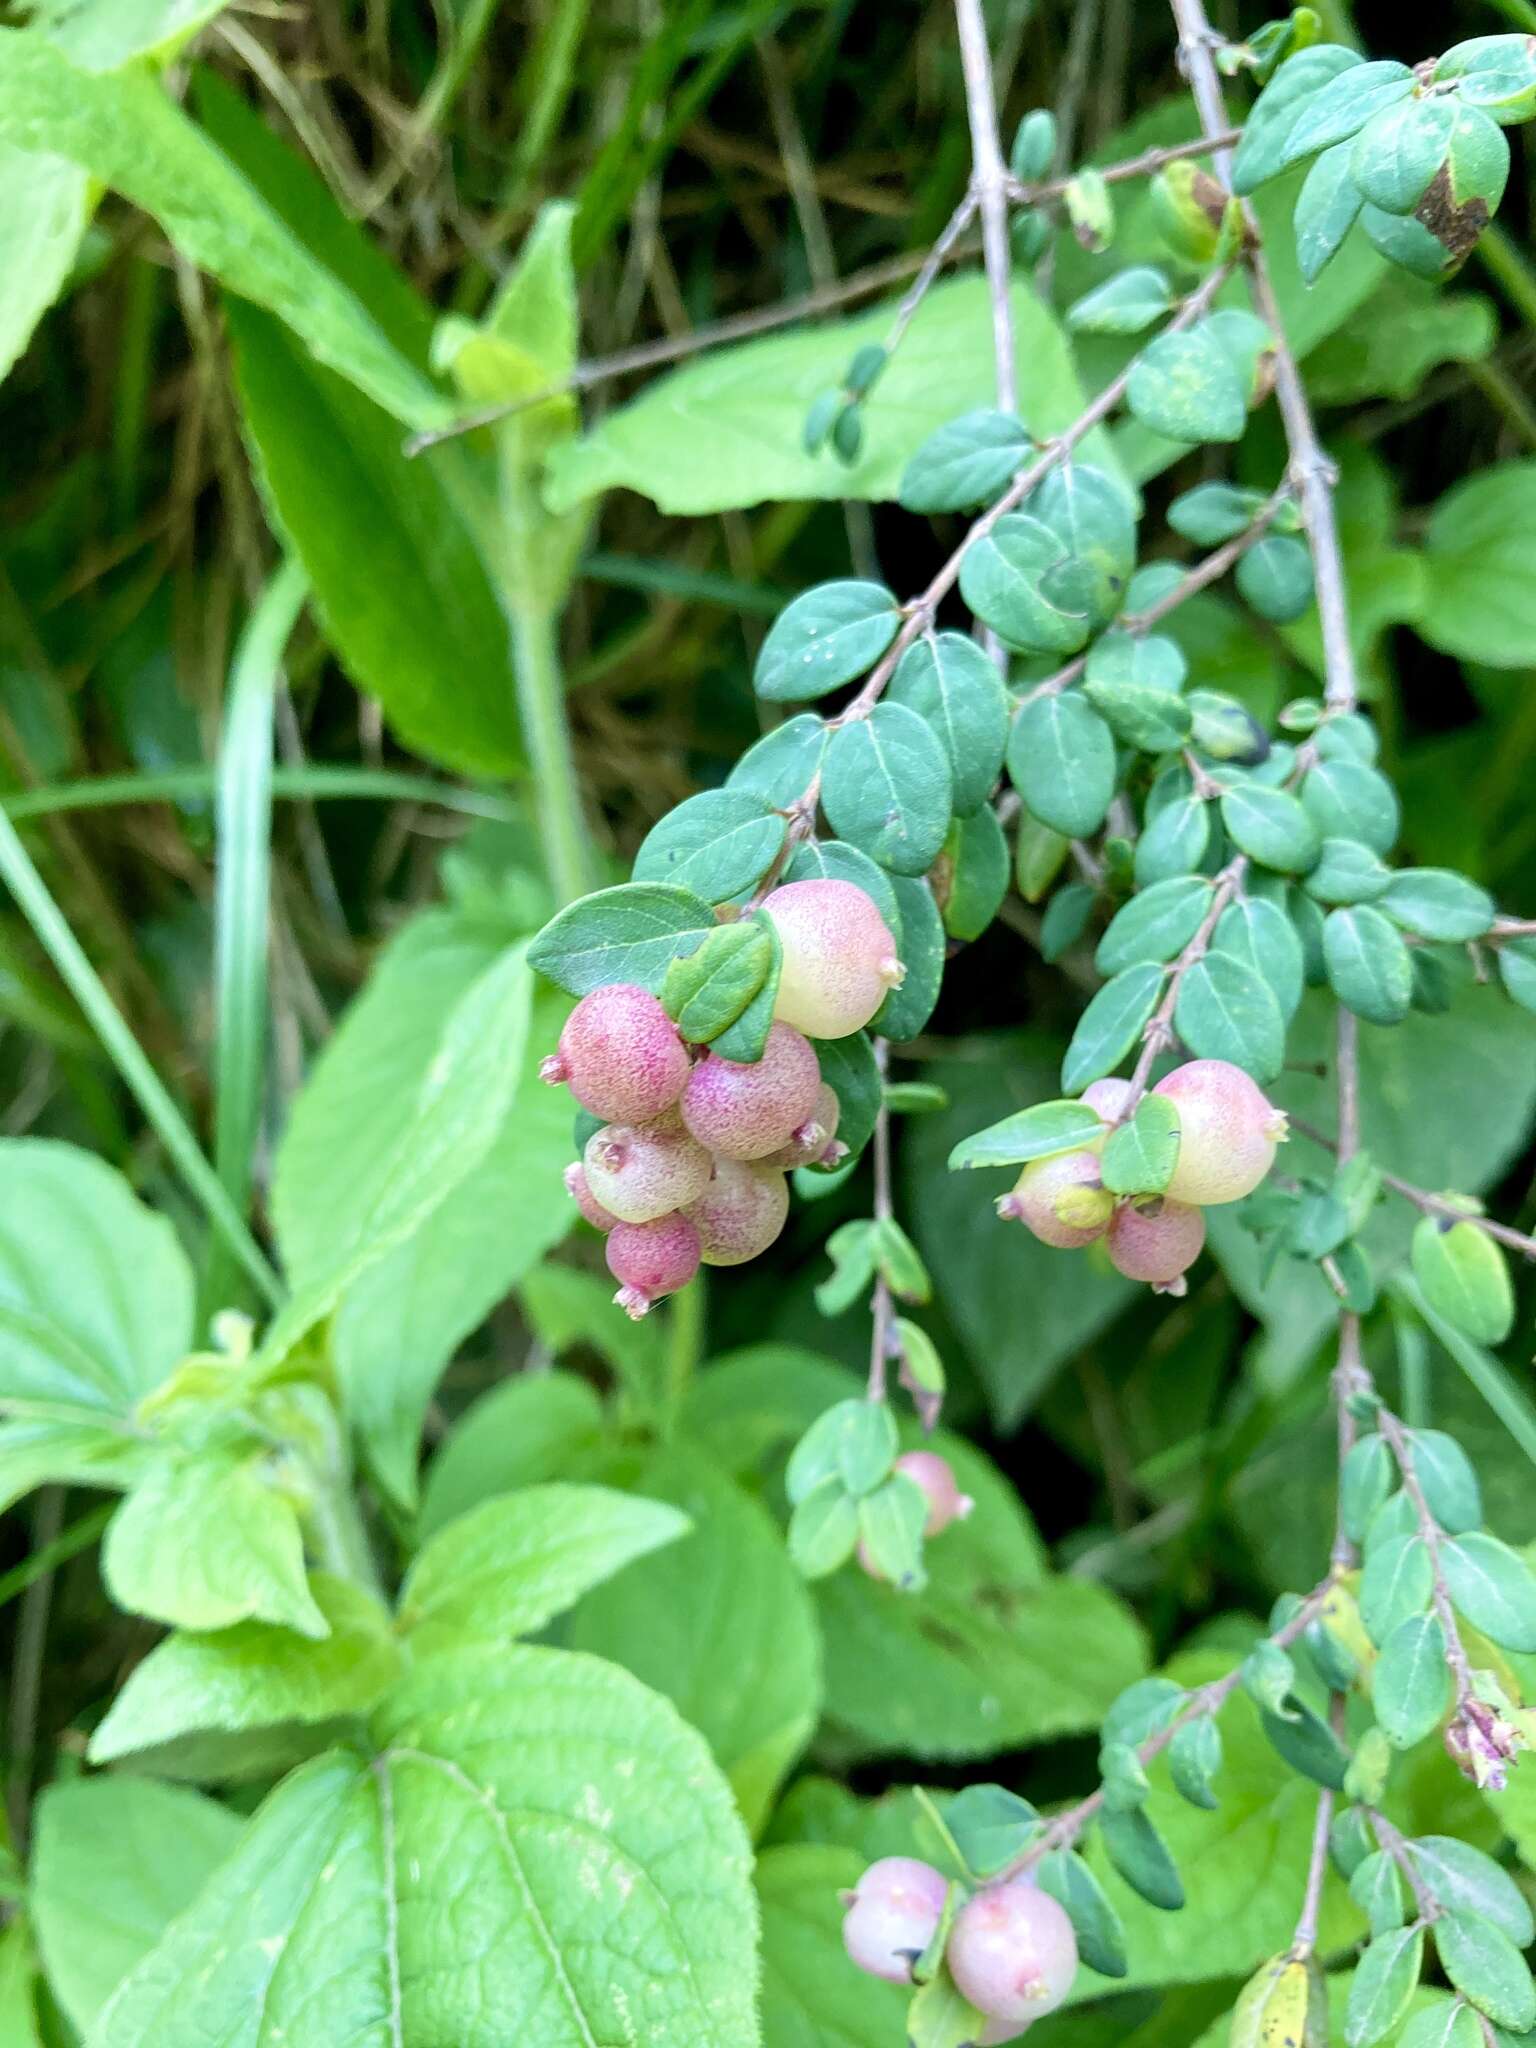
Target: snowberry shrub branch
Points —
{"points": [[743, 996]]}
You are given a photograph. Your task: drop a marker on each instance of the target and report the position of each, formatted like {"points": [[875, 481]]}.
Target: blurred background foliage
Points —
{"points": [[719, 158]]}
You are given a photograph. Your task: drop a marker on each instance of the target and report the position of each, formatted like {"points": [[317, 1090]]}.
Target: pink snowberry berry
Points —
{"points": [[740, 1213], [1061, 1199], [650, 1260], [814, 1143], [946, 1503], [638, 1172], [1228, 1131], [1013, 1955], [839, 961], [893, 1914], [1108, 1097], [620, 1055], [747, 1111], [1157, 1243], [576, 1182]]}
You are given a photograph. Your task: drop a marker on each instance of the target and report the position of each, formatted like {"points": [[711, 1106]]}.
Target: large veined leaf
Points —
{"points": [[115, 1859], [400, 1322], [95, 1310], [101, 34], [725, 431], [122, 129], [721, 1623], [425, 1144], [539, 1851], [1480, 552], [48, 206]]}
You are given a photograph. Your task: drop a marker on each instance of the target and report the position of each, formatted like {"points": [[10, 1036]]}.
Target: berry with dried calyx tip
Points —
{"points": [[620, 1055], [1157, 1243], [1108, 1097], [638, 1172], [893, 1913], [747, 1111], [590, 1207], [1062, 1200], [741, 1212], [1228, 1132], [946, 1503], [650, 1260], [839, 959], [814, 1143], [1013, 1954]]}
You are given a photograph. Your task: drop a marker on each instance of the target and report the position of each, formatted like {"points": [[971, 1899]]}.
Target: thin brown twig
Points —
{"points": [[1065, 1829], [1146, 165], [933, 263], [885, 1210], [1158, 1033], [1396, 1846], [1427, 1203], [1304, 1940], [1401, 1447]]}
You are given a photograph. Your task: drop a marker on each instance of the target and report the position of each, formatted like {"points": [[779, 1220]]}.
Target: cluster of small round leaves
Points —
{"points": [[1011, 1950], [1227, 1135]]}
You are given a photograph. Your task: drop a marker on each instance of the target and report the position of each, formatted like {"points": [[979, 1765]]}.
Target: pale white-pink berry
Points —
{"points": [[839, 959], [1012, 1953], [1109, 1097], [638, 1172], [741, 1211], [576, 1183], [650, 1260], [893, 1914], [1067, 1180], [1228, 1132], [935, 1475], [1158, 1243], [815, 1142], [749, 1109], [620, 1055]]}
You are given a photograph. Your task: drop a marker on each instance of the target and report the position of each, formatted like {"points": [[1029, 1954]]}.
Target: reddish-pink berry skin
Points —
{"points": [[650, 1260], [590, 1207], [839, 959], [1037, 1191], [747, 1111], [1012, 1953], [1228, 1132], [946, 1503], [814, 1143], [893, 1915], [640, 1171], [740, 1213], [620, 1055], [1156, 1244]]}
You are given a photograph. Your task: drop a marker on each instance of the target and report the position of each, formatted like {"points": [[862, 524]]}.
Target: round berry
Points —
{"points": [[1156, 1243], [893, 1914], [640, 1171], [620, 1055], [747, 1111], [814, 1143], [946, 1503], [740, 1213], [576, 1181], [1068, 1182], [650, 1260], [839, 960], [1013, 1954], [1228, 1132], [1108, 1097]]}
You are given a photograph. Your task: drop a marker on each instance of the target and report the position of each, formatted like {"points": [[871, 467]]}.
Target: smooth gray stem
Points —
{"points": [[991, 180]]}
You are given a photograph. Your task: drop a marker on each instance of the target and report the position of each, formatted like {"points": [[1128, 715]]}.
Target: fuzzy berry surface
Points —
{"points": [[620, 1055], [839, 958]]}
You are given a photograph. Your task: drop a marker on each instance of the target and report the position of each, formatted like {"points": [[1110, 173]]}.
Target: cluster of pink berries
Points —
{"points": [[1228, 1133], [1011, 1950], [689, 1166]]}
